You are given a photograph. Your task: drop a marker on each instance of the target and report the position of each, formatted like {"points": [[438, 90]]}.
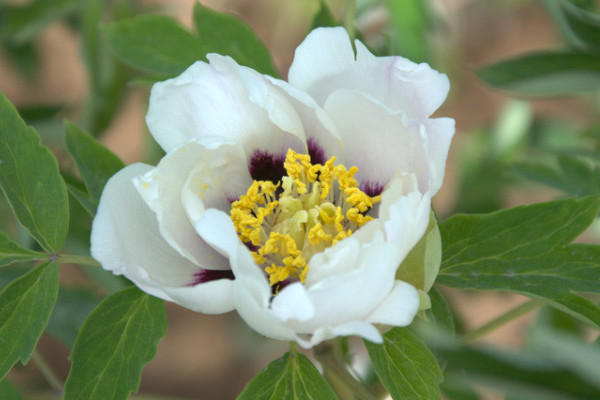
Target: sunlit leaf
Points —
{"points": [[405, 366], [27, 303], [30, 180], [524, 250], [114, 343], [292, 376]]}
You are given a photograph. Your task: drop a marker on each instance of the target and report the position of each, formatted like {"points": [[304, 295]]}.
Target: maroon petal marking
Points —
{"points": [[264, 166], [316, 152], [207, 275], [371, 188]]}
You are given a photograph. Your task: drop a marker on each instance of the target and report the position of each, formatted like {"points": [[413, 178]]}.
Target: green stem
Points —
{"points": [[47, 372], [338, 376], [499, 321], [74, 259]]}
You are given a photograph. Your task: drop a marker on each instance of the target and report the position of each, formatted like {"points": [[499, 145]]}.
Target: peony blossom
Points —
{"points": [[294, 202]]}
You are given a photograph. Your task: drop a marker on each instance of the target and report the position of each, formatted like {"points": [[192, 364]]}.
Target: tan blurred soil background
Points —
{"points": [[213, 357]]}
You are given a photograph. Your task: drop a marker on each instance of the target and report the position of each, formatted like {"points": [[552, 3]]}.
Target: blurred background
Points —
{"points": [[43, 72]]}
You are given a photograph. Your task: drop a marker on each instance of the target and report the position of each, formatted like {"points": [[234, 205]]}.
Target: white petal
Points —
{"points": [[404, 212], [358, 328], [226, 100], [294, 303], [325, 62], [399, 83], [163, 187], [336, 298], [439, 132], [126, 240], [377, 140], [399, 308], [326, 53], [213, 297], [320, 131]]}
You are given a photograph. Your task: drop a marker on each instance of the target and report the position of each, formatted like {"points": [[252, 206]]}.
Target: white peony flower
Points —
{"points": [[292, 202]]}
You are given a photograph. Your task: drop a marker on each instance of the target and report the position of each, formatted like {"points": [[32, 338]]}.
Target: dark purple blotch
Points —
{"points": [[264, 166], [316, 152], [371, 188], [207, 275]]}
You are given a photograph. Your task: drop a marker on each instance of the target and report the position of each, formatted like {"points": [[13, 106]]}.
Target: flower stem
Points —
{"points": [[499, 321], [75, 259], [343, 383], [47, 372]]}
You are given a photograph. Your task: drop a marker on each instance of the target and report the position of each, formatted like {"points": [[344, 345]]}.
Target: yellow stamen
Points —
{"points": [[316, 207]]}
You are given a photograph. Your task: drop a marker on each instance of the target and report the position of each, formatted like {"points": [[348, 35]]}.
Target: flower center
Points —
{"points": [[312, 208]]}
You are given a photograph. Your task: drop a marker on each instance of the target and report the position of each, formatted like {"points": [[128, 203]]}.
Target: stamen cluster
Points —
{"points": [[312, 208]]}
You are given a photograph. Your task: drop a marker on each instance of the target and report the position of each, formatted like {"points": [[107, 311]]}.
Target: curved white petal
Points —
{"points": [[208, 164], [321, 61], [325, 62], [358, 328], [213, 297], [125, 239], [439, 132], [404, 212], [379, 141], [399, 308], [226, 100]]}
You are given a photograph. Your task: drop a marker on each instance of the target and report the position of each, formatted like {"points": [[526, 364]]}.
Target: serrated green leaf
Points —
{"points": [[292, 376], [584, 24], [323, 17], [114, 343], [405, 366], [11, 252], [524, 250], [72, 307], [154, 43], [225, 34], [30, 180], [545, 74], [25, 307], [95, 163], [8, 391], [569, 173]]}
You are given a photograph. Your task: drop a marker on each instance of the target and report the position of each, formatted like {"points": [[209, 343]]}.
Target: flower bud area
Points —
{"points": [[310, 209]]}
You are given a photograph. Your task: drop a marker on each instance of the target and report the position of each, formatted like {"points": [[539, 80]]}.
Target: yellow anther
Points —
{"points": [[313, 207]]}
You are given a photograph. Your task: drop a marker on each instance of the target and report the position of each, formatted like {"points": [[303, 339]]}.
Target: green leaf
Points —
{"points": [[569, 173], [545, 74], [421, 265], [114, 343], [530, 375], [410, 20], [22, 23], [72, 307], [292, 376], [405, 366], [30, 180], [11, 252], [154, 43], [584, 24], [228, 35], [323, 17], [95, 163], [524, 250], [8, 391], [27, 303], [440, 314]]}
